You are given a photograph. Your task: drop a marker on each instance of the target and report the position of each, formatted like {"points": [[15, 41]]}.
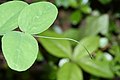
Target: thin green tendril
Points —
{"points": [[47, 37]]}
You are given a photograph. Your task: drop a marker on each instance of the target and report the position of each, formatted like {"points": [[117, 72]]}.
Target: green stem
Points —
{"points": [[47, 37]]}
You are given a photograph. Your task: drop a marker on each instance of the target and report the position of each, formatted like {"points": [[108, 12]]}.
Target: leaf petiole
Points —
{"points": [[47, 37]]}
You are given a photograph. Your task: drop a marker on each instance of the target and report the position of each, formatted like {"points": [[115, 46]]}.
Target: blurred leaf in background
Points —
{"points": [[59, 48], [87, 43], [75, 17], [70, 71], [97, 68], [95, 25], [105, 1]]}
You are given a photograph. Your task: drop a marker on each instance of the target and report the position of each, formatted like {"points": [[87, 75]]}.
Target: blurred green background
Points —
{"points": [[96, 24]]}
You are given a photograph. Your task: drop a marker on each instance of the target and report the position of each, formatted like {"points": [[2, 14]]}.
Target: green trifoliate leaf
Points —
{"points": [[37, 17], [9, 13], [20, 50]]}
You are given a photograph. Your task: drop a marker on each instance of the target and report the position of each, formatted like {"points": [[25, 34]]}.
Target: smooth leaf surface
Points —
{"points": [[115, 50], [56, 47], [73, 3], [105, 1], [20, 50], [96, 24], [91, 43], [86, 9], [69, 71], [97, 68], [73, 34], [75, 17], [37, 17], [9, 13]]}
